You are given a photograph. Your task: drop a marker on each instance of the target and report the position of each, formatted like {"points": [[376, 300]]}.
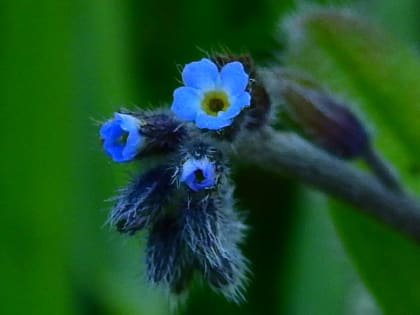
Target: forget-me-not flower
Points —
{"points": [[121, 137], [198, 174], [211, 98]]}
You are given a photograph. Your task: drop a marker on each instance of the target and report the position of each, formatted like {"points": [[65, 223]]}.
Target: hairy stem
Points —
{"points": [[290, 154]]}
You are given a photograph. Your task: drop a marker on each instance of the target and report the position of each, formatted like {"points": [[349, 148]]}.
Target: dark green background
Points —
{"points": [[65, 65]]}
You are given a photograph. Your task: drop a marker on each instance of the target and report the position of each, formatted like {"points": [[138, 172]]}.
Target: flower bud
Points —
{"points": [[132, 134], [202, 166], [325, 120], [121, 137]]}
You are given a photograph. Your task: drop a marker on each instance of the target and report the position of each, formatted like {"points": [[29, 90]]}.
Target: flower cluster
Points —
{"points": [[184, 202], [186, 206]]}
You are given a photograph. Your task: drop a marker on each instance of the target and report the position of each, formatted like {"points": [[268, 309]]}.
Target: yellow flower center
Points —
{"points": [[214, 102]]}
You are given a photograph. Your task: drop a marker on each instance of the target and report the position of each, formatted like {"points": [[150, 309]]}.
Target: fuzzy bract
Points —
{"points": [[140, 203], [211, 98], [121, 137]]}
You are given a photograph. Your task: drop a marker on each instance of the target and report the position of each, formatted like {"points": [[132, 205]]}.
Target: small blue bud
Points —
{"points": [[121, 137], [198, 173]]}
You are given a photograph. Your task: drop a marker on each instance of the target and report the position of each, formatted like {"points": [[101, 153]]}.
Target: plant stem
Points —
{"points": [[382, 170], [287, 153]]}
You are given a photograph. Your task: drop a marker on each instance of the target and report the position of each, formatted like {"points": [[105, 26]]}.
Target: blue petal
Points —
{"points": [[237, 103], [115, 151], [187, 169], [110, 132], [190, 181], [127, 123], [188, 176], [186, 103], [205, 165], [110, 129], [201, 74], [211, 122], [133, 144], [209, 174], [234, 79], [134, 140]]}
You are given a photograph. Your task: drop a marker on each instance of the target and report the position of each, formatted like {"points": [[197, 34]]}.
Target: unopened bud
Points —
{"points": [[325, 120]]}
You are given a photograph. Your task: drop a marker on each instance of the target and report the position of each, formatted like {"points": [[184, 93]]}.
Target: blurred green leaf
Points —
{"points": [[387, 261], [401, 18], [106, 268], [64, 66], [382, 75], [368, 68], [319, 278], [35, 182]]}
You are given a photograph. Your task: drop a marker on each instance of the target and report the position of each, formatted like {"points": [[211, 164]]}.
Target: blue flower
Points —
{"points": [[210, 98], [121, 137], [198, 174]]}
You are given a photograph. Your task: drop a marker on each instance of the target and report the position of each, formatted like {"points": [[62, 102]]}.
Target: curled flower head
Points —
{"points": [[121, 137], [212, 231], [211, 98], [198, 174], [141, 202], [164, 257]]}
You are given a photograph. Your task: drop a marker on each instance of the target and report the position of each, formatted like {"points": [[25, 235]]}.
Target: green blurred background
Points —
{"points": [[65, 66]]}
